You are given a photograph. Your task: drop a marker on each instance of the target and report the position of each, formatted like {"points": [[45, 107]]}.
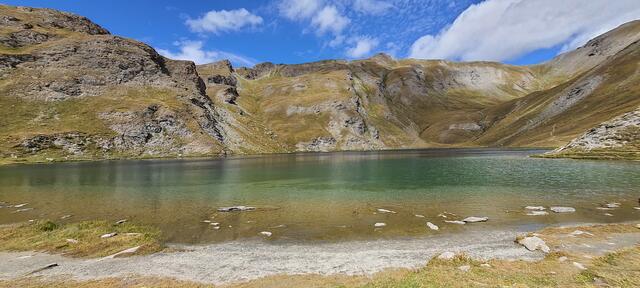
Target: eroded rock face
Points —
{"points": [[619, 132]]}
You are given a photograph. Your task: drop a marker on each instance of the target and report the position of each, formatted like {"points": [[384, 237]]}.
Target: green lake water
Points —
{"points": [[325, 196]]}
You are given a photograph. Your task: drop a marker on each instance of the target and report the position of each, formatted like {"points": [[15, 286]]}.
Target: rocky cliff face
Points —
{"points": [[70, 90]]}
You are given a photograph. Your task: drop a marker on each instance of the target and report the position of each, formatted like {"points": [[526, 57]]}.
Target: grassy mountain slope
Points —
{"points": [[70, 90]]}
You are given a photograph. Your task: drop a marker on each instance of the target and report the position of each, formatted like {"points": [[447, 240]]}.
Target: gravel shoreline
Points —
{"points": [[241, 261]]}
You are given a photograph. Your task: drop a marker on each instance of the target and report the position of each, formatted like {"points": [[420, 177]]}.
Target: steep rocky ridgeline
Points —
{"points": [[70, 90]]}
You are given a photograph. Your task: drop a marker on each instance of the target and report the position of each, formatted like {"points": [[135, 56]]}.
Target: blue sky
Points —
{"points": [[296, 31]]}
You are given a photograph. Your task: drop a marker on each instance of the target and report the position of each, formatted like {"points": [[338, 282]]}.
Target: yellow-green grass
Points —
{"points": [[82, 239]]}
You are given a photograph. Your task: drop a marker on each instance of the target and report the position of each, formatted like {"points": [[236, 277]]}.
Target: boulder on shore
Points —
{"points": [[534, 243]]}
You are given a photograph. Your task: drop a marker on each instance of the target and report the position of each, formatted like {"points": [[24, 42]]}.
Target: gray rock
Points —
{"points": [[535, 208], [108, 235], [474, 219], [464, 268], [240, 208], [561, 209], [534, 243], [455, 222], [447, 255], [432, 226]]}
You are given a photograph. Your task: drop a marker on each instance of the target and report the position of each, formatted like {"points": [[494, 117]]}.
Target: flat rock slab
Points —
{"points": [[534, 243], [474, 219], [561, 209], [236, 209]]}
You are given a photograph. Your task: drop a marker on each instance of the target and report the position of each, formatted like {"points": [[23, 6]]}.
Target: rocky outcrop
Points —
{"points": [[622, 132]]}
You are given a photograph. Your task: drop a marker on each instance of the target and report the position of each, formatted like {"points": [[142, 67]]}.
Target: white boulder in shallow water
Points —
{"points": [[455, 222], [380, 210], [474, 219], [236, 208], [561, 209], [535, 208], [612, 205], [432, 226], [534, 243], [537, 213], [266, 233], [379, 225]]}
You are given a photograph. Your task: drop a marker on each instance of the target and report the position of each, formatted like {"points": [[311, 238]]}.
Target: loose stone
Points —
{"points": [[386, 211], [560, 209], [456, 222], [432, 226], [535, 208], [579, 266], [236, 208], [534, 243], [379, 224], [108, 235], [447, 255], [121, 221], [537, 213], [464, 268], [266, 233], [474, 219]]}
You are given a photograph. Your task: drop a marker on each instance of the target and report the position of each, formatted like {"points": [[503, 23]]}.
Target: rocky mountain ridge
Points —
{"points": [[71, 90]]}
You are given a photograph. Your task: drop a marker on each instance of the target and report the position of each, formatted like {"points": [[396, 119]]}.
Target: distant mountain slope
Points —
{"points": [[70, 90]]}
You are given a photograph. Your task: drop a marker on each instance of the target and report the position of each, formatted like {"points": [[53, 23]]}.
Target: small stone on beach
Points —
{"points": [[432, 226], [560, 209], [579, 266], [108, 235], [447, 255], [534, 243]]}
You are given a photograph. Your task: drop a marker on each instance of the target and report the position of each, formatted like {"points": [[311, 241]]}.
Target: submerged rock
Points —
{"points": [[534, 243], [236, 208], [455, 222], [419, 216], [561, 209], [612, 205], [432, 226], [537, 213], [385, 211], [535, 208], [20, 205], [474, 219]]}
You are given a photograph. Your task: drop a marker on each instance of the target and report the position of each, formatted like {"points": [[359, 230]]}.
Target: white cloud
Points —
{"points": [[193, 51], [329, 19], [362, 46], [223, 20], [375, 7], [506, 29], [299, 9]]}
